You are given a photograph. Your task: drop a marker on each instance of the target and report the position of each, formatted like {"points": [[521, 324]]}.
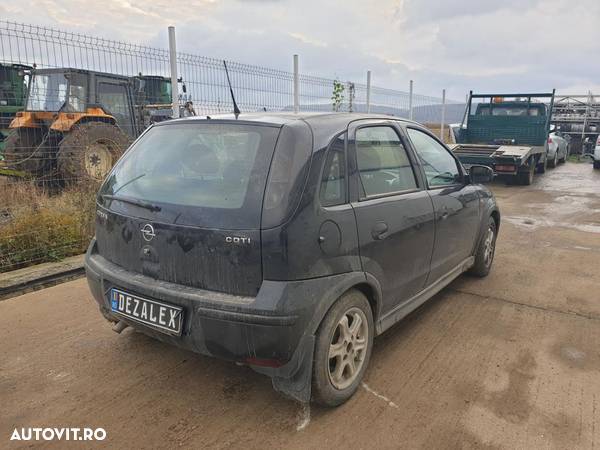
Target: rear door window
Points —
{"points": [[209, 174], [383, 162]]}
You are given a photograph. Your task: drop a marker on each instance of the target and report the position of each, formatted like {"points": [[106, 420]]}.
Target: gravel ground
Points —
{"points": [[510, 361]]}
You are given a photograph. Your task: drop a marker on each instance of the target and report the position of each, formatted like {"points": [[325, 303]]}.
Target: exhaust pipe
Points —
{"points": [[119, 327]]}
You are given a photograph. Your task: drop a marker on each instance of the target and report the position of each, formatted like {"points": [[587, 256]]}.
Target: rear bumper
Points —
{"points": [[273, 332]]}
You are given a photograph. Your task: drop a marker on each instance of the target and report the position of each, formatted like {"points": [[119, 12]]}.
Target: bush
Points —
{"points": [[37, 226]]}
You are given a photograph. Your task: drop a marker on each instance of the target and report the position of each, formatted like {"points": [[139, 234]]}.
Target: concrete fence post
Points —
{"points": [[174, 84], [443, 121], [410, 101], [368, 91], [296, 86]]}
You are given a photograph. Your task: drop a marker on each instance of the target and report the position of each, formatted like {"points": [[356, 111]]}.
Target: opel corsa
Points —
{"points": [[286, 242]]}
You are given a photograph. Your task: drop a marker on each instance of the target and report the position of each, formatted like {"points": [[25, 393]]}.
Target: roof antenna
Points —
{"points": [[236, 110]]}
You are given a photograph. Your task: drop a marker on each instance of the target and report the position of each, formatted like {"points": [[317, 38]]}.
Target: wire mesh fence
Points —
{"points": [[70, 104]]}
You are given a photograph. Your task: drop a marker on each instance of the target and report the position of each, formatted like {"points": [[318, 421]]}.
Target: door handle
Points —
{"points": [[444, 214], [380, 231]]}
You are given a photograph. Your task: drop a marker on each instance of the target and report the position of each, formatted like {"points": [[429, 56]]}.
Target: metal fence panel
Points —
{"points": [[59, 140]]}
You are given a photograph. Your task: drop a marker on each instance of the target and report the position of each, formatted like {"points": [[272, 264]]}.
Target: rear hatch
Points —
{"points": [[184, 205]]}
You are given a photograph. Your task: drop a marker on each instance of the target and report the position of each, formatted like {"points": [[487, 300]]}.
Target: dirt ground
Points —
{"points": [[511, 361]]}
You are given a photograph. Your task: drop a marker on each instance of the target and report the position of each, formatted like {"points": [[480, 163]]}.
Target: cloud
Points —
{"points": [[454, 44]]}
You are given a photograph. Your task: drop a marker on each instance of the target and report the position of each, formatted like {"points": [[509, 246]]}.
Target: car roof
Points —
{"points": [[314, 119], [324, 126]]}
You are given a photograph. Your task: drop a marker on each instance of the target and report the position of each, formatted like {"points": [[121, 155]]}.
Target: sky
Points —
{"points": [[457, 45]]}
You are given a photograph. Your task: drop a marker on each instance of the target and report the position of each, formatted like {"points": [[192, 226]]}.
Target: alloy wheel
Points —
{"points": [[348, 348], [488, 247]]}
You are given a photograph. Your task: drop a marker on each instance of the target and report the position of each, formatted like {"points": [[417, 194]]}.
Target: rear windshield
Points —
{"points": [[510, 110], [209, 174]]}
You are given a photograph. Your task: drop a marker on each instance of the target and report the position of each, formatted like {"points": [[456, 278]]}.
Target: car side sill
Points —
{"points": [[403, 309]]}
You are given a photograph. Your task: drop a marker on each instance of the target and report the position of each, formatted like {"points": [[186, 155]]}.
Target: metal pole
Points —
{"points": [[174, 85], [368, 91], [410, 101], [443, 114], [296, 86], [585, 121]]}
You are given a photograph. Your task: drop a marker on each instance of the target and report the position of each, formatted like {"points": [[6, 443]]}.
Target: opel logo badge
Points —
{"points": [[148, 232]]}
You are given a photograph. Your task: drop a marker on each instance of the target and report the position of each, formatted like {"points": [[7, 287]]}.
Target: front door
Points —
{"points": [[456, 204], [393, 211]]}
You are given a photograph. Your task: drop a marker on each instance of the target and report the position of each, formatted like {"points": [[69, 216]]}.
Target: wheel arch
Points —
{"points": [[493, 212], [496, 216], [66, 121], [373, 295], [363, 282], [91, 118]]}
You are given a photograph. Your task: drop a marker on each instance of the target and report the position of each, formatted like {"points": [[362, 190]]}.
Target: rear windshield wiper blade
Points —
{"points": [[132, 201]]}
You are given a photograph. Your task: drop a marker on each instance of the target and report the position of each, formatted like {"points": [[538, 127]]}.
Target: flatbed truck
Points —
{"points": [[506, 132]]}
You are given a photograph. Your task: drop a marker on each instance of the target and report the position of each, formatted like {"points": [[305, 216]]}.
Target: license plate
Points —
{"points": [[162, 316]]}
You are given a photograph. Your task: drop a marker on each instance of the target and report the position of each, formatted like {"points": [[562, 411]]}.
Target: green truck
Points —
{"points": [[507, 132], [14, 79]]}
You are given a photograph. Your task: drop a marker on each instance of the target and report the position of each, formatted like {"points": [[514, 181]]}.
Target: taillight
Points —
{"points": [[549, 140], [598, 141]]}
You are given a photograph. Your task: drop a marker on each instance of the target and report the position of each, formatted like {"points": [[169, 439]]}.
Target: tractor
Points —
{"points": [[75, 125], [13, 92], [153, 98]]}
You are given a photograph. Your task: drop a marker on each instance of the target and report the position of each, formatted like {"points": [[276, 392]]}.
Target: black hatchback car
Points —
{"points": [[286, 242]]}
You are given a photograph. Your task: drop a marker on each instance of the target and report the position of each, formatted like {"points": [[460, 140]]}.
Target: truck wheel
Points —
{"points": [[526, 178], [486, 250], [342, 350], [23, 150], [89, 151], [541, 167]]}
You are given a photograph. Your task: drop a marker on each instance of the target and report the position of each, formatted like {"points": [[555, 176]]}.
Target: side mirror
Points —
{"points": [[481, 174]]}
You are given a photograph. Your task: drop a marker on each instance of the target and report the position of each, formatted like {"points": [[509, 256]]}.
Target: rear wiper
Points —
{"points": [[133, 201], [130, 181]]}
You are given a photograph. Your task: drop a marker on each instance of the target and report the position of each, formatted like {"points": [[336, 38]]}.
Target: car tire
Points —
{"points": [[564, 158], [596, 164], [486, 250], [554, 162], [344, 338]]}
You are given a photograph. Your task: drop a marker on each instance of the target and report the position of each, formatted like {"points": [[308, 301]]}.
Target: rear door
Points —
{"points": [[456, 203], [393, 211], [184, 205]]}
